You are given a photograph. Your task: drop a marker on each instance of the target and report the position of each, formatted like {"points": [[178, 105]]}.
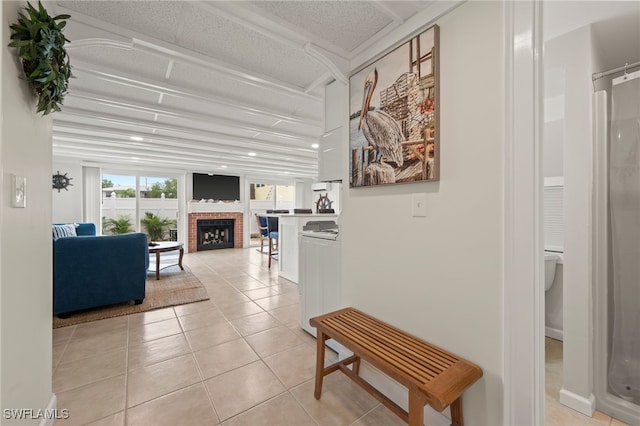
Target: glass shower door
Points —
{"points": [[624, 192]]}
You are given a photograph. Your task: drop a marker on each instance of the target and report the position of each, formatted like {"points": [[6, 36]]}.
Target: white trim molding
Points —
{"points": [[51, 408], [523, 266], [577, 402]]}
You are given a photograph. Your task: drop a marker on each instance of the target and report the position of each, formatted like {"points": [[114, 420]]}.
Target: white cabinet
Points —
{"points": [[333, 146], [289, 225], [334, 142], [320, 286]]}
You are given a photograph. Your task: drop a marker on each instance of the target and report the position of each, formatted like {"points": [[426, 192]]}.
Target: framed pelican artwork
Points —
{"points": [[394, 115]]}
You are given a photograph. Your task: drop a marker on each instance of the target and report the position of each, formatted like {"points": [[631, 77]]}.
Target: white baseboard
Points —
{"points": [[399, 394], [51, 407], [554, 333], [577, 402]]}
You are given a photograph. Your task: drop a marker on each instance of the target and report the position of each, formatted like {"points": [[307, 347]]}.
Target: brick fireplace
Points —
{"points": [[238, 236]]}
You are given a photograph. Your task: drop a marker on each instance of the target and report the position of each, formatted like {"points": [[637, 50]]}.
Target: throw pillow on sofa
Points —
{"points": [[66, 230]]}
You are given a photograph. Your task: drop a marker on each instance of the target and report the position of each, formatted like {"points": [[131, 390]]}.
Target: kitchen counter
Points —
{"points": [[289, 225]]}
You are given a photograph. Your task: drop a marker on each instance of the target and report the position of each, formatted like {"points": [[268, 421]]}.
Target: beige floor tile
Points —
{"points": [[212, 335], [201, 319], [342, 401], [287, 315], [278, 301], [189, 406], [73, 374], [224, 357], [192, 308], [243, 388], [150, 382], [282, 410], [56, 355], [261, 293], [155, 330], [116, 419], [557, 414], [380, 415], [62, 335], [154, 351], [255, 323], [142, 318], [601, 417], [93, 328], [295, 365], [81, 347], [239, 310], [92, 402], [272, 341], [246, 284], [229, 299]]}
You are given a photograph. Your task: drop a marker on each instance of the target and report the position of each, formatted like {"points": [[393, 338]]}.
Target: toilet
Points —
{"points": [[550, 260]]}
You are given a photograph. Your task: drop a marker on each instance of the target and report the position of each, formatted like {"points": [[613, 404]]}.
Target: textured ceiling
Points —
{"points": [[204, 83]]}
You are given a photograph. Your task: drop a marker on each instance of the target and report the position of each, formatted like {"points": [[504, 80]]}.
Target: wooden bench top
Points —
{"points": [[411, 361]]}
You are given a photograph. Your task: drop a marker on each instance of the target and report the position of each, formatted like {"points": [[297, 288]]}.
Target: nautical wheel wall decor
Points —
{"points": [[61, 181], [323, 203]]}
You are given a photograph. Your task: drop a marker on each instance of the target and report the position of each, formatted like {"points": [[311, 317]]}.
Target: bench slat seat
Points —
{"points": [[432, 375]]}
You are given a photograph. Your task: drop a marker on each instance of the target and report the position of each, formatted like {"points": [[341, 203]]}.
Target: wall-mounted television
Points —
{"points": [[216, 187]]}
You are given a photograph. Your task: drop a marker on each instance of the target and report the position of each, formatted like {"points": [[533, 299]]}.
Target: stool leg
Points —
{"points": [[270, 252], [416, 407], [319, 364]]}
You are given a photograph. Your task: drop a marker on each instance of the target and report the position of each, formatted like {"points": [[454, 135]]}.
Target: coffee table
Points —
{"points": [[163, 247]]}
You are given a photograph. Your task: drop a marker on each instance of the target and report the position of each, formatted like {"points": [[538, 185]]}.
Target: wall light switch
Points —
{"points": [[419, 205], [19, 191]]}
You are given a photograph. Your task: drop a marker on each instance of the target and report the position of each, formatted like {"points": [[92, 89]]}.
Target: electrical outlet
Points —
{"points": [[419, 205]]}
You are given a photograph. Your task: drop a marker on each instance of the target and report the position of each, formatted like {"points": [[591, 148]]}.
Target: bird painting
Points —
{"points": [[381, 131]]}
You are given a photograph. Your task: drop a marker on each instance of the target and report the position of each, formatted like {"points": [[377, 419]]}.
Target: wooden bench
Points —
{"points": [[432, 375]]}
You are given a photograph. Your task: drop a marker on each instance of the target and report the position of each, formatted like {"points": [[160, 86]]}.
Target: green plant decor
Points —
{"points": [[121, 225], [156, 225], [40, 43]]}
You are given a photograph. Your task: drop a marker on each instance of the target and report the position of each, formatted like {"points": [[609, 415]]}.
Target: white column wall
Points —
{"points": [[25, 239], [440, 277]]}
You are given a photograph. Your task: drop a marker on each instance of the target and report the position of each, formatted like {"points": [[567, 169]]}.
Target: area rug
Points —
{"points": [[175, 287]]}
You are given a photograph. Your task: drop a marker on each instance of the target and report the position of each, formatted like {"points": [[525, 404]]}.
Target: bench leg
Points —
{"points": [[319, 363], [416, 407], [356, 366], [456, 412]]}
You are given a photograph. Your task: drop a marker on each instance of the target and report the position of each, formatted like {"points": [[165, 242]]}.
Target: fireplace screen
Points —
{"points": [[215, 234]]}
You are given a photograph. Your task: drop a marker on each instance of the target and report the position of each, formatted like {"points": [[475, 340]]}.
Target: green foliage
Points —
{"points": [[169, 187], [156, 226], [121, 225], [125, 193], [40, 43], [106, 183]]}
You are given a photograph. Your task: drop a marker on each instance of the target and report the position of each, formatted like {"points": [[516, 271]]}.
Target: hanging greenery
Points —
{"points": [[40, 43]]}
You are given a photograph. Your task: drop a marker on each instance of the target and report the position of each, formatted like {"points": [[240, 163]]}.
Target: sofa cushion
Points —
{"points": [[65, 230]]}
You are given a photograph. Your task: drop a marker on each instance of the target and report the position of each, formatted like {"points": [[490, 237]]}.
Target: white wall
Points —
{"points": [[570, 57], [25, 240], [67, 205], [440, 277]]}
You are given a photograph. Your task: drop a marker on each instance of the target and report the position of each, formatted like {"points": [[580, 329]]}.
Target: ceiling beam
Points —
{"points": [[145, 83], [187, 115]]}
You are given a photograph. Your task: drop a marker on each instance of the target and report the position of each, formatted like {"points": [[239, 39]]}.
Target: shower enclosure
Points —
{"points": [[617, 249]]}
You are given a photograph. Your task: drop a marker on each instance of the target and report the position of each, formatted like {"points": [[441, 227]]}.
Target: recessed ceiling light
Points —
{"points": [[315, 145], [223, 167], [252, 154], [136, 138]]}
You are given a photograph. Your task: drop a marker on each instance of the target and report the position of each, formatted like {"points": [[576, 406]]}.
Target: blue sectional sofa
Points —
{"points": [[91, 271]]}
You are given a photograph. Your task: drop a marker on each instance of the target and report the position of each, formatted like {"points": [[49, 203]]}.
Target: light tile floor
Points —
{"points": [[557, 414], [238, 359]]}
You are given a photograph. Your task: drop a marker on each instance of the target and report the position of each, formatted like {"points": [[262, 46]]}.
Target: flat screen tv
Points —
{"points": [[216, 187]]}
